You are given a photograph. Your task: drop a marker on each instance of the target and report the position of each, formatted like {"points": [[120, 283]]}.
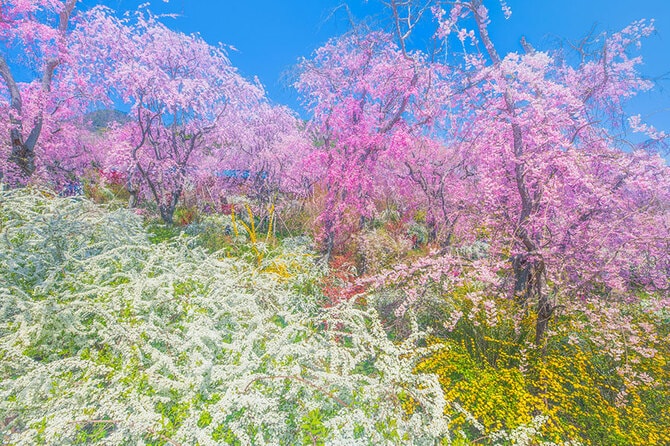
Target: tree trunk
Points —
{"points": [[23, 151], [545, 306], [22, 155], [529, 284], [167, 210], [167, 214], [529, 272], [521, 270]]}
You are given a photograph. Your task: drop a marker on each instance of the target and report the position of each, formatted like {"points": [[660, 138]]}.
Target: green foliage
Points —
{"points": [[212, 232], [160, 232], [185, 215], [111, 194], [314, 432], [379, 248]]}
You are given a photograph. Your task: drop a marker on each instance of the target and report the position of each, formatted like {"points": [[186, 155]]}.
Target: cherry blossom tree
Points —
{"points": [[188, 102], [578, 210], [528, 146], [35, 35], [269, 149], [370, 99]]}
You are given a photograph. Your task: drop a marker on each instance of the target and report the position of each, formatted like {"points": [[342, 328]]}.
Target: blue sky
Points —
{"points": [[271, 35]]}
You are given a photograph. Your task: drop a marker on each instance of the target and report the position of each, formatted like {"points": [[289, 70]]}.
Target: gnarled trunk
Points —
{"points": [[23, 153], [529, 267], [23, 150]]}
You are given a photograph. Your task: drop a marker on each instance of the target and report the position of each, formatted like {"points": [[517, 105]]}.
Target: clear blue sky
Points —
{"points": [[270, 35]]}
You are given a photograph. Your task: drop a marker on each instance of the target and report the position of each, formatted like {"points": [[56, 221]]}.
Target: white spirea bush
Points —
{"points": [[106, 338]]}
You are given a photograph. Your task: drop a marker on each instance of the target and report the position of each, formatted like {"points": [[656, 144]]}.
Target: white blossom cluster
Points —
{"points": [[106, 338]]}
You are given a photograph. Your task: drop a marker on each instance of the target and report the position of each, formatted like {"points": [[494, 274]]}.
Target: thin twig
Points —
{"points": [[302, 380]]}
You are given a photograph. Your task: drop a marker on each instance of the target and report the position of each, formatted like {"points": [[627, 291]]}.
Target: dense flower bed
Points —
{"points": [[108, 338]]}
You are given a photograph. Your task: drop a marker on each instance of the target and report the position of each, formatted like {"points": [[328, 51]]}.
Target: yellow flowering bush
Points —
{"points": [[586, 392]]}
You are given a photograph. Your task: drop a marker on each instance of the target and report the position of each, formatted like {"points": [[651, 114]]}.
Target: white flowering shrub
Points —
{"points": [[106, 338]]}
